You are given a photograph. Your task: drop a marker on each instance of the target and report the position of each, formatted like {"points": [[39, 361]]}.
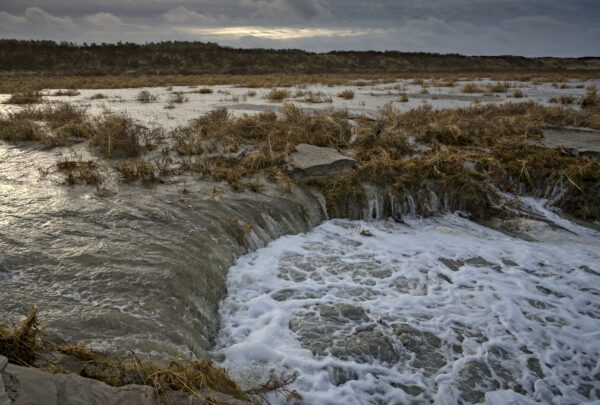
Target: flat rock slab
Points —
{"points": [[32, 386], [573, 141], [316, 161]]}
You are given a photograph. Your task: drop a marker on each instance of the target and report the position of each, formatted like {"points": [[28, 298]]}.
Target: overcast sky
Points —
{"points": [[473, 27]]}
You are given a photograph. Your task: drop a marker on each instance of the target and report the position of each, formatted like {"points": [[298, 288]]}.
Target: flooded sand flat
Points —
{"points": [[440, 309], [366, 99]]}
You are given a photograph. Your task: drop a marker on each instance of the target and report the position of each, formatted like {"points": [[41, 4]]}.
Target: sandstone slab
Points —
{"points": [[573, 141], [32, 386], [316, 161]]}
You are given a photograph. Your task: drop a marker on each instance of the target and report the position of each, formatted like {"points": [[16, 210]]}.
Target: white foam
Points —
{"points": [[542, 307]]}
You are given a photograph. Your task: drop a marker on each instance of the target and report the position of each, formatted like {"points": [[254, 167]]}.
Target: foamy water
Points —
{"points": [[437, 310]]}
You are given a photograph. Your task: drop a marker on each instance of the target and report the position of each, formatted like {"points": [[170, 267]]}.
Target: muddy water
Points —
{"points": [[142, 269]]}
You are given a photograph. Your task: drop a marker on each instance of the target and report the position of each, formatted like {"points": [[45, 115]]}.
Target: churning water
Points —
{"points": [[440, 310]]}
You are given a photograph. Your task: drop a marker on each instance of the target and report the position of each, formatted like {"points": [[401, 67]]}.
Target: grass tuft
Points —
{"points": [[29, 97], [119, 136], [277, 95], [145, 96], [78, 171], [67, 93], [178, 98], [346, 94]]}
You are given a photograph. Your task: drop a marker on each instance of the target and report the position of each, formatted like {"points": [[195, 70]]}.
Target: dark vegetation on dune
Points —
{"points": [[198, 58], [33, 65]]}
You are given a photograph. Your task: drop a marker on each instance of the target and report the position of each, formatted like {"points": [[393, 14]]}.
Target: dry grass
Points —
{"points": [[470, 88], [462, 156], [21, 344], [346, 94], [13, 83], [272, 136], [317, 97], [119, 136], [178, 98], [28, 97], [566, 100], [591, 99], [445, 83], [498, 87], [58, 125], [204, 90], [134, 170], [145, 96], [27, 345], [278, 95], [78, 171], [98, 96], [66, 93], [186, 141], [17, 127]]}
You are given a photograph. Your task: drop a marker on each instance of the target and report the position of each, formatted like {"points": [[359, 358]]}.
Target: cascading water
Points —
{"points": [[143, 269], [439, 310]]}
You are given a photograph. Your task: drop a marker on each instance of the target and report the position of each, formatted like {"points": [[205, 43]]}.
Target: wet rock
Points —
{"points": [[412, 390], [32, 386], [505, 366], [539, 304], [233, 157], [316, 161], [341, 376], [4, 398], [589, 271], [338, 311], [548, 291], [573, 141], [425, 346], [365, 346], [462, 332], [287, 294], [453, 265], [475, 380], [509, 263], [410, 286], [533, 365], [344, 331], [585, 390], [479, 261], [444, 277]]}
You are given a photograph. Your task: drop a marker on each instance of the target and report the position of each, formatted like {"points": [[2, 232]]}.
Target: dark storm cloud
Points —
{"points": [[528, 27]]}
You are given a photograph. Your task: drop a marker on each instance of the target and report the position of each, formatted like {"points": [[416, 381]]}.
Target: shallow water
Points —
{"points": [[365, 102], [437, 310], [138, 269]]}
